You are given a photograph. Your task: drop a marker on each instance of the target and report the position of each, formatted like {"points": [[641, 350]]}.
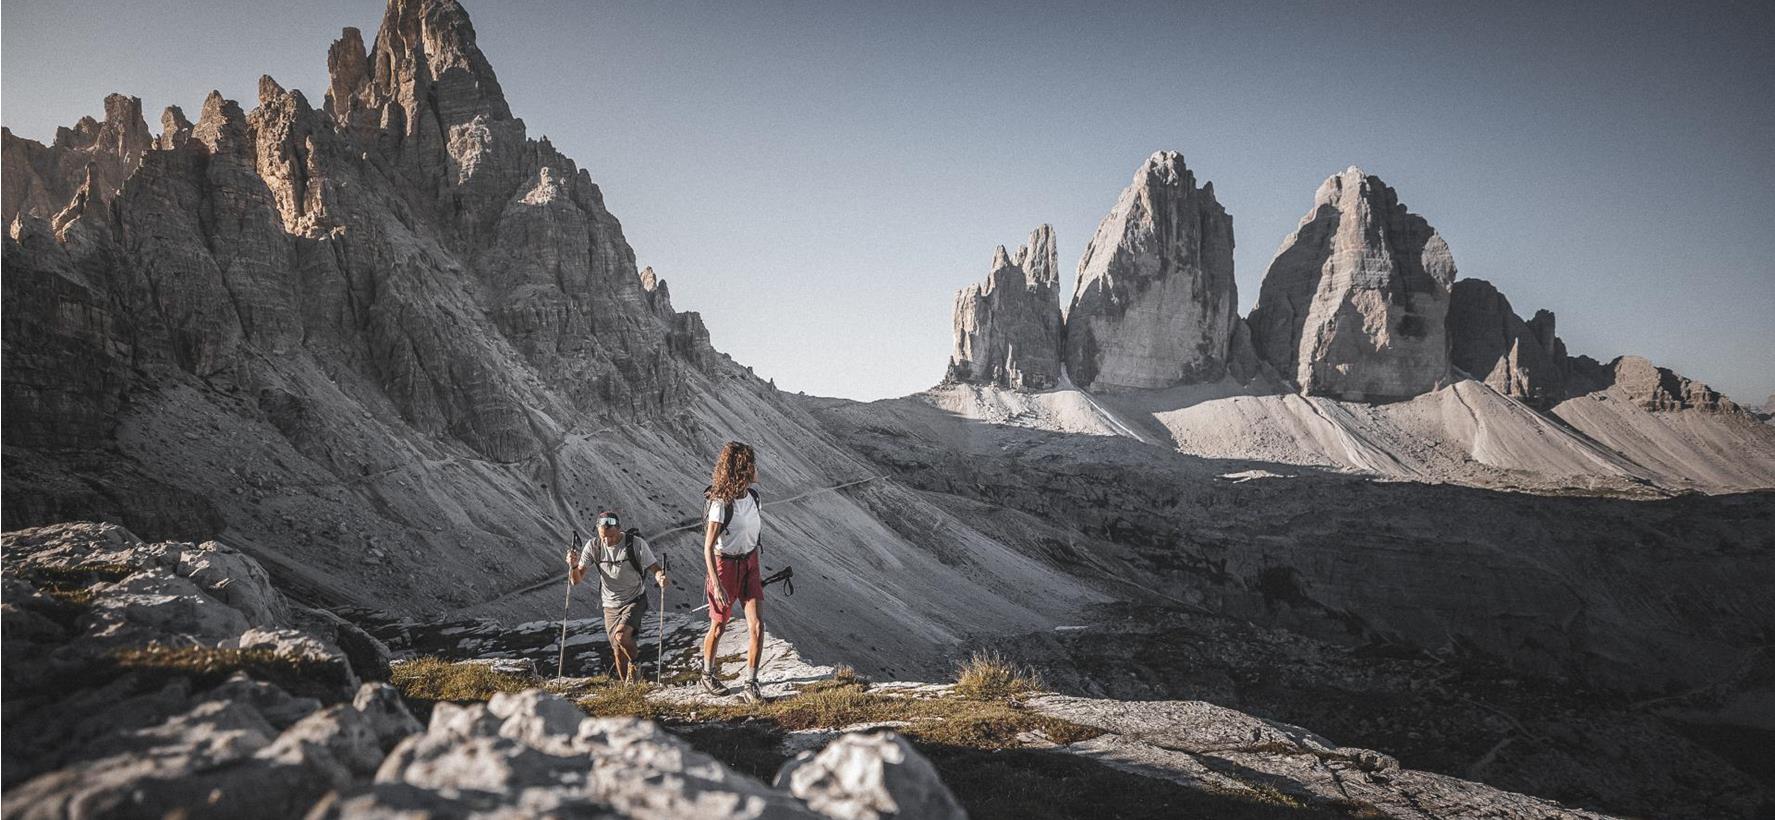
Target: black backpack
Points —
{"points": [[628, 550], [727, 511]]}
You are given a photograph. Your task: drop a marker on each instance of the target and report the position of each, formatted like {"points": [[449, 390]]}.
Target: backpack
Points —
{"points": [[727, 511], [628, 551]]}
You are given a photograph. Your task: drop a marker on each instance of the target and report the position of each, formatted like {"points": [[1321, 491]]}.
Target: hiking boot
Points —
{"points": [[751, 692], [713, 685]]}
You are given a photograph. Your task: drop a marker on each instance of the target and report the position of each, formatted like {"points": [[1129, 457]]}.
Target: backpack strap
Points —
{"points": [[628, 548], [727, 511], [759, 505]]}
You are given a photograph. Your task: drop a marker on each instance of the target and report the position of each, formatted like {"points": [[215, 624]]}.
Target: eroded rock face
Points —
{"points": [[1008, 329], [1355, 304], [1655, 388], [40, 179], [399, 275], [1197, 744], [120, 722], [1523, 360], [1155, 303]]}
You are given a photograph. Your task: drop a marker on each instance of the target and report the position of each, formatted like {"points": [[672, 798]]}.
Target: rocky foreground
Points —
{"points": [[146, 679]]}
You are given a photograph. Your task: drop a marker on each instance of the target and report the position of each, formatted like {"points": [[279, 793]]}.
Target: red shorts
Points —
{"points": [[739, 580]]}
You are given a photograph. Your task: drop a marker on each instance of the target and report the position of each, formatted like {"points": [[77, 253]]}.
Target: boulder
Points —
{"points": [[1008, 329], [869, 776], [1355, 304], [1155, 304], [533, 753]]}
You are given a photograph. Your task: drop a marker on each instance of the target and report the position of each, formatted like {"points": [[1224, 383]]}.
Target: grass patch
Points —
{"points": [[948, 720], [73, 585], [620, 699], [81, 597], [81, 574], [989, 676], [208, 666], [430, 680]]}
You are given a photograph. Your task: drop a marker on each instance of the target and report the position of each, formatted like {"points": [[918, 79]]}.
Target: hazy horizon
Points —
{"points": [[824, 178]]}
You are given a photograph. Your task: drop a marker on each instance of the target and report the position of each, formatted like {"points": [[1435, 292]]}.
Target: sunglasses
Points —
{"points": [[607, 522]]}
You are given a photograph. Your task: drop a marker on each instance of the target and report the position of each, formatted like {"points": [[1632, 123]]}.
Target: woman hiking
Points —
{"points": [[730, 555]]}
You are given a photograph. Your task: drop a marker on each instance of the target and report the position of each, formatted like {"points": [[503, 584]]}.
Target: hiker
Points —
{"points": [[730, 556], [620, 557]]}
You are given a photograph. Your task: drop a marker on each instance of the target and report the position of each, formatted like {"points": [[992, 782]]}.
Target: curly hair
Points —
{"points": [[734, 470]]}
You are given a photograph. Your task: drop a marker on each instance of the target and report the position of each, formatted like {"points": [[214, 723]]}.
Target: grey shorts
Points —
{"points": [[628, 615]]}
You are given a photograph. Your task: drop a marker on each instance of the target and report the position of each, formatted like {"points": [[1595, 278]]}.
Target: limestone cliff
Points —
{"points": [[1155, 303], [1008, 330], [1355, 304]]}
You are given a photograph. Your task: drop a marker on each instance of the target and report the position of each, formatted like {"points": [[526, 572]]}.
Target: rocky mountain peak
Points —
{"points": [[41, 179], [1355, 304], [1155, 303], [174, 128], [124, 132], [222, 125], [1008, 329], [348, 72], [1660, 389], [425, 57]]}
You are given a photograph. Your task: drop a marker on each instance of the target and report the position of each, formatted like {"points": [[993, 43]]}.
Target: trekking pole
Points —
{"points": [[659, 668], [561, 665]]}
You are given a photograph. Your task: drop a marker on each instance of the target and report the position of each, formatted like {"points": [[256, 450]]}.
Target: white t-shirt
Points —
{"points": [[741, 535]]}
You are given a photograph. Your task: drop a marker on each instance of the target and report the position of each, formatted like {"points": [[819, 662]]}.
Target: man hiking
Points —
{"points": [[730, 555], [623, 560]]}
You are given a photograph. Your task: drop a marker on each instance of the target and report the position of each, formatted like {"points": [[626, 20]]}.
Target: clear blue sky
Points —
{"points": [[819, 178]]}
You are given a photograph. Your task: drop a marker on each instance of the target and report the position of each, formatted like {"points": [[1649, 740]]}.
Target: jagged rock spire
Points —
{"points": [[1525, 360], [174, 128], [1355, 304], [41, 179], [1008, 330], [1156, 303], [423, 72]]}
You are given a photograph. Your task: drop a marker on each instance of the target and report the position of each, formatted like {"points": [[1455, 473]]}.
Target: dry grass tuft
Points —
{"points": [[619, 699], [208, 666], [989, 676], [429, 680]]}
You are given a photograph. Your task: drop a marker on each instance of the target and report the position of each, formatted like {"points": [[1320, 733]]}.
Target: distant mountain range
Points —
{"points": [[398, 352]]}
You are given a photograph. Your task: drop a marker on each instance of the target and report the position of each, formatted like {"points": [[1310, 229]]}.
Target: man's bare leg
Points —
{"points": [[619, 659], [629, 654]]}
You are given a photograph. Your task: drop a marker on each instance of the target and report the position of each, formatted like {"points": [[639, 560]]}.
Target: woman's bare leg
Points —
{"points": [[755, 642]]}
